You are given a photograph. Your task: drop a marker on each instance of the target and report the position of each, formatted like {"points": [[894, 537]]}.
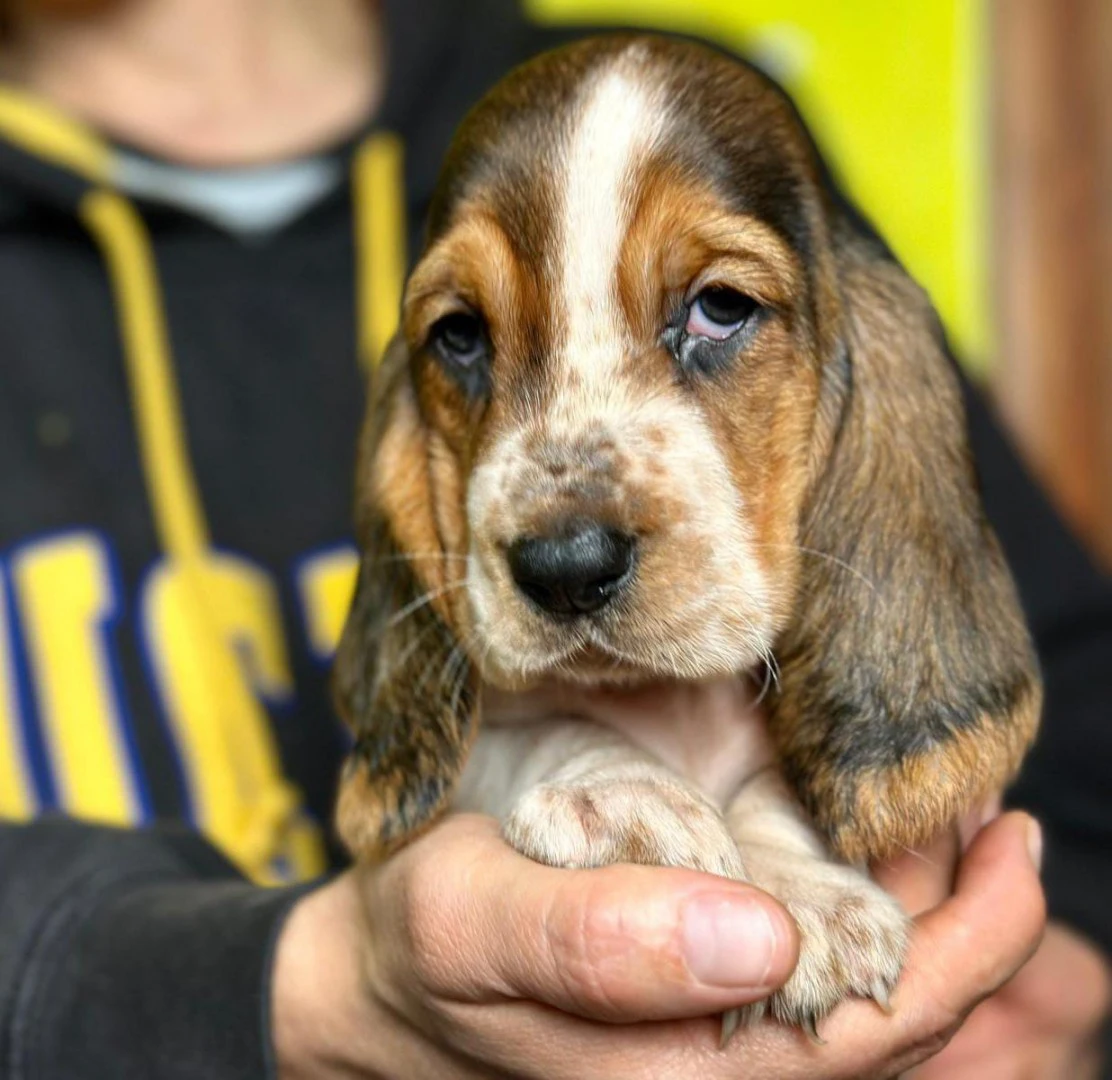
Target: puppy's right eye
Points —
{"points": [[460, 339], [719, 312]]}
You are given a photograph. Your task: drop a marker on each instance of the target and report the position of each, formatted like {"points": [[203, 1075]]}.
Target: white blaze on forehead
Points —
{"points": [[620, 117]]}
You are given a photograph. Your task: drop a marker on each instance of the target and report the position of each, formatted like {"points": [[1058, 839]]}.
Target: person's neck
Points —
{"points": [[208, 82]]}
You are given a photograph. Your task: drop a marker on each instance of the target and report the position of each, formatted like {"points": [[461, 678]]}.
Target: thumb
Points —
{"points": [[620, 943]]}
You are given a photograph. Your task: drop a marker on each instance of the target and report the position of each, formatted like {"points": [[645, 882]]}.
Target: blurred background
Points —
{"points": [[977, 134]]}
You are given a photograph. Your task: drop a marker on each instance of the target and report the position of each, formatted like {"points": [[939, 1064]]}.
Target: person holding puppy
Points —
{"points": [[205, 206]]}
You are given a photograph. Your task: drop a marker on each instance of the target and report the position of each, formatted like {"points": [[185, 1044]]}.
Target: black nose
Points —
{"points": [[574, 573]]}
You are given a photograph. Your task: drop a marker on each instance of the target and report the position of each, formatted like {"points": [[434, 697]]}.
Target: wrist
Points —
{"points": [[323, 1019]]}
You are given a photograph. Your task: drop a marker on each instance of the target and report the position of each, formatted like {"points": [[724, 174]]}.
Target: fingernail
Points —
{"points": [[1035, 843], [731, 941]]}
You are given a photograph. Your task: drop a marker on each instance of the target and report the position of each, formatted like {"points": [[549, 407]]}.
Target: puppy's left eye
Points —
{"points": [[460, 338], [719, 312]]}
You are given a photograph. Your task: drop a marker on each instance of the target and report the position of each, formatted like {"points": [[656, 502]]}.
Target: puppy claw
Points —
{"points": [[809, 1024], [731, 1019], [880, 994]]}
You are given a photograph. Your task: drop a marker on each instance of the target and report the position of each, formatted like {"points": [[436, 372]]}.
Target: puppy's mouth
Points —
{"points": [[592, 655], [587, 661], [597, 663]]}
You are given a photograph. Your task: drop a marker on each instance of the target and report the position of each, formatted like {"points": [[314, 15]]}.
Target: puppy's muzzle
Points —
{"points": [[577, 570]]}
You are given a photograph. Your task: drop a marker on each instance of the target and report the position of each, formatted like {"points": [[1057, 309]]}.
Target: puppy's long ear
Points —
{"points": [[402, 685], [909, 687]]}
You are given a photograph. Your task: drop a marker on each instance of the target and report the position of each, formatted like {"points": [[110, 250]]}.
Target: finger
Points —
{"points": [[620, 943], [921, 879], [978, 818], [994, 921]]}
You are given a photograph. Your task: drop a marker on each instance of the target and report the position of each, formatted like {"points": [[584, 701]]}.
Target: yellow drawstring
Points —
{"points": [[378, 190], [53, 136], [379, 212], [241, 724], [118, 229]]}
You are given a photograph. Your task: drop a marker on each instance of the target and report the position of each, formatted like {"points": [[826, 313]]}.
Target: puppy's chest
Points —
{"points": [[712, 733]]}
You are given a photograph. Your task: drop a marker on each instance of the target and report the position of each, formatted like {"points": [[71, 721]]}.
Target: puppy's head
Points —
{"points": [[659, 409]]}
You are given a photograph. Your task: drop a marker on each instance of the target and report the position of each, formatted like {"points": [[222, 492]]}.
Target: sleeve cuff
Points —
{"points": [[148, 977]]}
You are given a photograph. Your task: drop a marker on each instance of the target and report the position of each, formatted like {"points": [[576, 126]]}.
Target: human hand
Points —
{"points": [[1043, 1025], [461, 959]]}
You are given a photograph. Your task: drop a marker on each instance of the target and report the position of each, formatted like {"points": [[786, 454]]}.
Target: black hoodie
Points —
{"points": [[178, 410]]}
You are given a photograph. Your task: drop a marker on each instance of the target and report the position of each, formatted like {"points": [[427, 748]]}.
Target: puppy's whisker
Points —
{"points": [[459, 678], [454, 667], [435, 666], [772, 665], [461, 654], [767, 683], [925, 859], [815, 553], [407, 653], [717, 653], [422, 601], [416, 556]]}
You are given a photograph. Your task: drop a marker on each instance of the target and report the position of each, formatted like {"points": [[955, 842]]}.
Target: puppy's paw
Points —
{"points": [[596, 822], [853, 938]]}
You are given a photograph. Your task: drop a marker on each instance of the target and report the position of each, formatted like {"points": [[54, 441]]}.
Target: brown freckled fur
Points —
{"points": [[587, 813], [640, 846], [908, 687]]}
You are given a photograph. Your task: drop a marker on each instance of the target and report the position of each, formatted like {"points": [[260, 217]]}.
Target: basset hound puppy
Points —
{"points": [[664, 424]]}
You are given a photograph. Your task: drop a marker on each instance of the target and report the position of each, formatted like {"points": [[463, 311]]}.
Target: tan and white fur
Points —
{"points": [[790, 504]]}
